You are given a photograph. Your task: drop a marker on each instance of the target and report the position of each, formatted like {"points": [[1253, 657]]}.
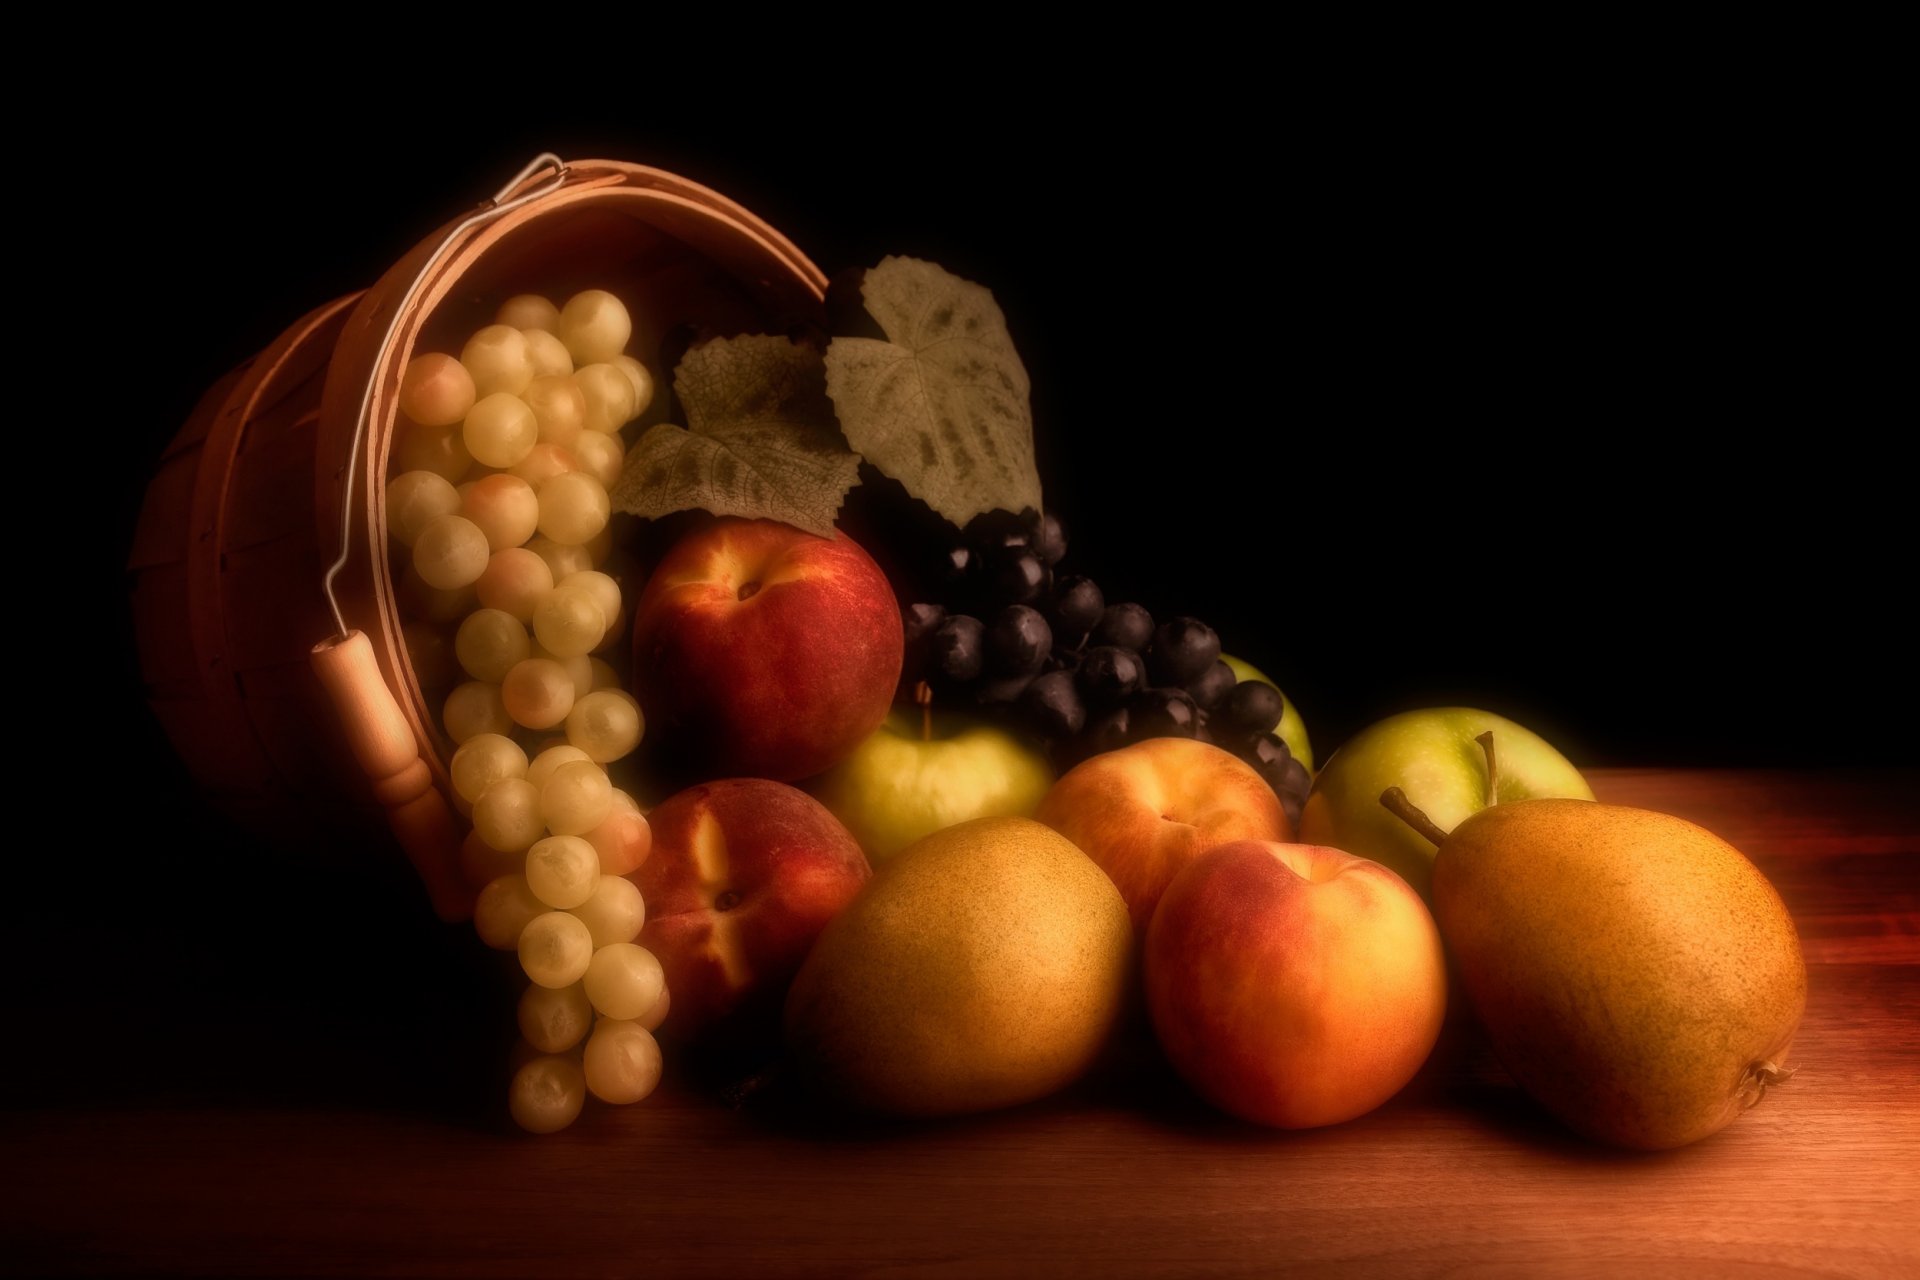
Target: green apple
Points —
{"points": [[901, 784], [1434, 756], [1292, 729]]}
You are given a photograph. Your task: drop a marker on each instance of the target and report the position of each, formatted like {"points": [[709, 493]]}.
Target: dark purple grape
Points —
{"points": [[960, 563], [1182, 649], [1018, 641], [1291, 805], [1077, 607], [1269, 757], [1110, 674], [1109, 732], [999, 691], [957, 652], [1214, 684], [1053, 707], [1299, 781], [1128, 625], [920, 621], [1251, 708], [1015, 576], [1203, 731], [1051, 539], [1163, 713], [847, 314]]}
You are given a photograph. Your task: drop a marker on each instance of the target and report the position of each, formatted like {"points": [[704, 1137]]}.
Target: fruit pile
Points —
{"points": [[929, 854], [1048, 653]]}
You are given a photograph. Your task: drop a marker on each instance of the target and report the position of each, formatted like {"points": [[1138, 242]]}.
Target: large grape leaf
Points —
{"points": [[941, 406], [760, 440]]}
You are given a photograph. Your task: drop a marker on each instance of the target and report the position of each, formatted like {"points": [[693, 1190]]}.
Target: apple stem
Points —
{"points": [[923, 698], [1399, 806], [1493, 768]]}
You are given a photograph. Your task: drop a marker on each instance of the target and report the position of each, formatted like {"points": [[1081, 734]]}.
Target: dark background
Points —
{"points": [[1573, 416], [1573, 419]]}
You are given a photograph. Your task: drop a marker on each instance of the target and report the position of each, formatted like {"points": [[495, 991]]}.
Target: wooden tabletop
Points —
{"points": [[1125, 1175]]}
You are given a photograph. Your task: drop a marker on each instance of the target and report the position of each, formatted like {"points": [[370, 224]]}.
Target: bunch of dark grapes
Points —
{"points": [[1013, 638]]}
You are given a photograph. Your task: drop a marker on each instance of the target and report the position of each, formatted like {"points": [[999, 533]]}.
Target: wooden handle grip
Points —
{"points": [[385, 747]]}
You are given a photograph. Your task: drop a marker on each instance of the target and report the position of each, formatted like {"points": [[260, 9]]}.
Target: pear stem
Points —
{"points": [[1757, 1078], [1493, 768], [1399, 806], [923, 698]]}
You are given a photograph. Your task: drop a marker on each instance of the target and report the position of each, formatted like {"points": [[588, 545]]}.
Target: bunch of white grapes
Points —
{"points": [[552, 843], [499, 511]]}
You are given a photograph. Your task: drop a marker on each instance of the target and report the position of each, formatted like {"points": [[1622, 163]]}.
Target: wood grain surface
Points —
{"points": [[1123, 1176]]}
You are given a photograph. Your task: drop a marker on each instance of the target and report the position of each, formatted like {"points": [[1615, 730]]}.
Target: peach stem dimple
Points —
{"points": [[748, 588]]}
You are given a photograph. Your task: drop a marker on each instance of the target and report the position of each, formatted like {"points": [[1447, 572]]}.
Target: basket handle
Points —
{"points": [[383, 743], [378, 732], [504, 201]]}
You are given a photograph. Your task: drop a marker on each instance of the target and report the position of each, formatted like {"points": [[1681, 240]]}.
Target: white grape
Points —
{"points": [[416, 499], [606, 724], [451, 551], [483, 760], [497, 358], [514, 581], [507, 815], [528, 311], [614, 912], [555, 1019], [563, 871], [624, 979], [472, 709], [595, 326], [576, 798], [537, 693], [622, 1063], [489, 643], [568, 621], [573, 508], [436, 390], [555, 950], [547, 1094], [505, 908]]}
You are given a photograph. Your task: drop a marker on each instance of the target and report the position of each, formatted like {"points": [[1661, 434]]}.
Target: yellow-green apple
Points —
{"points": [[1291, 984], [761, 650], [1435, 757], [1145, 811], [902, 784], [742, 876], [1292, 729]]}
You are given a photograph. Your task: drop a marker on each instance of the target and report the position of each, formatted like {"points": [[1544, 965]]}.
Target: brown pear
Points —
{"points": [[1637, 975]]}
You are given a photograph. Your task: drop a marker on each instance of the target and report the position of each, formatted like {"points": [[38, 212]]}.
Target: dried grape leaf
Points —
{"points": [[941, 406], [760, 440]]}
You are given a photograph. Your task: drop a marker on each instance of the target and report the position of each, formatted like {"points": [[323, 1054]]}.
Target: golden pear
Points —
{"points": [[1637, 975], [982, 966]]}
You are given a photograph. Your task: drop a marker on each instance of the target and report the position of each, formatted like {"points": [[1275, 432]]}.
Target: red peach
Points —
{"points": [[1294, 985], [1145, 811], [743, 874], [765, 651]]}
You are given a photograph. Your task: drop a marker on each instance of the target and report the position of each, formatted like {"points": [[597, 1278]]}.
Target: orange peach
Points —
{"points": [[1294, 985], [1145, 811], [765, 651], [742, 875]]}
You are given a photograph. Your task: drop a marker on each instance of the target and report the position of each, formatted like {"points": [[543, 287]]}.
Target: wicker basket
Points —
{"points": [[265, 612]]}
